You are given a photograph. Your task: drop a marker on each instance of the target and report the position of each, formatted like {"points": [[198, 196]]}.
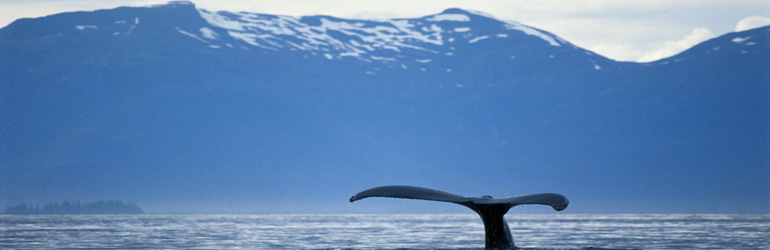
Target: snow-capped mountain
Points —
{"points": [[173, 104], [385, 41]]}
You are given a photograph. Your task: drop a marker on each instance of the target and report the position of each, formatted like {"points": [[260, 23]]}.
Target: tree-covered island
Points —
{"points": [[66, 207]]}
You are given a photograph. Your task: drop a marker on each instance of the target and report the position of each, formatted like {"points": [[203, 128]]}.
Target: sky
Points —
{"points": [[623, 30]]}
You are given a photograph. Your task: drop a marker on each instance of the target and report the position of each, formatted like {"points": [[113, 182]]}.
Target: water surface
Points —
{"points": [[381, 231]]}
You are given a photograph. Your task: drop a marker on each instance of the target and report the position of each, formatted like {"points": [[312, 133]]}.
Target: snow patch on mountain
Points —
{"points": [[462, 29], [346, 38], [83, 27], [136, 22], [246, 37], [366, 40], [220, 20], [190, 35], [208, 33], [740, 39], [278, 25], [390, 59], [478, 39], [532, 32]]}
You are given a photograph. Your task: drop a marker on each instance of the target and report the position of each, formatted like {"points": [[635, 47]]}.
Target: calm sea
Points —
{"points": [[382, 231]]}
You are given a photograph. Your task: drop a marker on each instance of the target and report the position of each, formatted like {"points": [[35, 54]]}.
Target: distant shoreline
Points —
{"points": [[66, 207]]}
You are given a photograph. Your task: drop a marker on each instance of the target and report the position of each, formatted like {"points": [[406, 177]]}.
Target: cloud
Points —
{"points": [[672, 48], [752, 22]]}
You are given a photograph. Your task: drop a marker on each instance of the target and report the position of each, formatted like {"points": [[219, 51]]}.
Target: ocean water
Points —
{"points": [[382, 231]]}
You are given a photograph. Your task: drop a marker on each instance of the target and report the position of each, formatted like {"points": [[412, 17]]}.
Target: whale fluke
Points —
{"points": [[491, 210]]}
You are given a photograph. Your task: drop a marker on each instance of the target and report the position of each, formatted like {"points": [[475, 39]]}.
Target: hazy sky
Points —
{"points": [[618, 29]]}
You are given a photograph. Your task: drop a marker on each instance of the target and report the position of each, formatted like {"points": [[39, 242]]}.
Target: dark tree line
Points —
{"points": [[99, 207]]}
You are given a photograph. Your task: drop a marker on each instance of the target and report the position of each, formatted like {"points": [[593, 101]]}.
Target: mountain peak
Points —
{"points": [[180, 3], [175, 4], [457, 14], [455, 11]]}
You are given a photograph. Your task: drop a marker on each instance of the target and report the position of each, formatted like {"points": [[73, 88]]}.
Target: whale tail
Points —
{"points": [[491, 210]]}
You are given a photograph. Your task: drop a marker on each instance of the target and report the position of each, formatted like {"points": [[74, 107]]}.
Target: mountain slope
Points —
{"points": [[175, 107]]}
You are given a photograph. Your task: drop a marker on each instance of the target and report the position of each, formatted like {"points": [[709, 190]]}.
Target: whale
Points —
{"points": [[491, 210]]}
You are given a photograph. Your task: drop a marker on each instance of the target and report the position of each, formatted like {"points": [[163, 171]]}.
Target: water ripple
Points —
{"points": [[381, 231]]}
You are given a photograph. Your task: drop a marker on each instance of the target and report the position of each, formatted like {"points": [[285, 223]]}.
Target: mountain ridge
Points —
{"points": [[221, 19], [135, 103]]}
